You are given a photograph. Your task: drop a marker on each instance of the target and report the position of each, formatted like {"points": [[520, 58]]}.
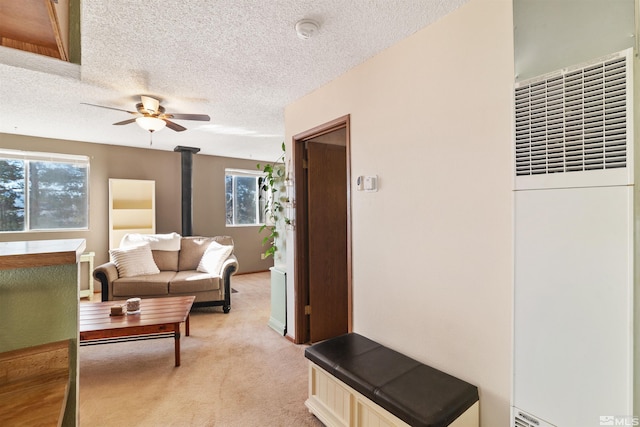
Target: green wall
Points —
{"points": [[39, 305]]}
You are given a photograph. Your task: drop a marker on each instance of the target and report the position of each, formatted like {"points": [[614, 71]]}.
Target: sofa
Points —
{"points": [[154, 266]]}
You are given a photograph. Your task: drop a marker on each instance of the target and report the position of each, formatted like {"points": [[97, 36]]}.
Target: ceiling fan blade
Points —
{"points": [[174, 126], [125, 122], [110, 108], [200, 117]]}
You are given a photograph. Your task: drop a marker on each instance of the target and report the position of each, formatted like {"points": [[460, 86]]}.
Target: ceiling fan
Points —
{"points": [[151, 116]]}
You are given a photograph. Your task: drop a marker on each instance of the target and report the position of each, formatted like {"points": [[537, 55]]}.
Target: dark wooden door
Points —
{"points": [[327, 240]]}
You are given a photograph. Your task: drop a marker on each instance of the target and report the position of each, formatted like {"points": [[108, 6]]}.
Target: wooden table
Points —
{"points": [[158, 318]]}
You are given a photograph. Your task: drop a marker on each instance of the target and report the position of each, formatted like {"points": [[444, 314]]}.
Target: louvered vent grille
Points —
{"points": [[519, 422], [573, 121], [523, 419]]}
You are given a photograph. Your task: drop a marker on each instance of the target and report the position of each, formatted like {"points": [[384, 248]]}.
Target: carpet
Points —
{"points": [[235, 371]]}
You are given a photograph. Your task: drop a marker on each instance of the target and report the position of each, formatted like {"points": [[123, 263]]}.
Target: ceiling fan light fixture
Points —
{"points": [[150, 124]]}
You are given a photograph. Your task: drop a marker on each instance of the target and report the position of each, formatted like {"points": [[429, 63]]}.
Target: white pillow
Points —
{"points": [[213, 258], [158, 242], [134, 261]]}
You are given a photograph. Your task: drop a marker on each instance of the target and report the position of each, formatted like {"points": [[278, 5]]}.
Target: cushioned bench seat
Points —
{"points": [[413, 392]]}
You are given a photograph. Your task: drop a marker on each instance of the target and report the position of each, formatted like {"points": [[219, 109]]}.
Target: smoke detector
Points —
{"points": [[306, 28]]}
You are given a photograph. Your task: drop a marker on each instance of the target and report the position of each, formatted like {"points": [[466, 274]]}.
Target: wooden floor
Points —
{"points": [[35, 374]]}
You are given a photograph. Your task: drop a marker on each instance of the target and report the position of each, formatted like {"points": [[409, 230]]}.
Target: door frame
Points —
{"points": [[301, 285]]}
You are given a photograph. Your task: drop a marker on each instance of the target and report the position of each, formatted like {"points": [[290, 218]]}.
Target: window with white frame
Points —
{"points": [[244, 206], [43, 191]]}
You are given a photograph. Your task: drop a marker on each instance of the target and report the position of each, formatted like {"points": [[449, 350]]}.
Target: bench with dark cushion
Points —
{"points": [[415, 393]]}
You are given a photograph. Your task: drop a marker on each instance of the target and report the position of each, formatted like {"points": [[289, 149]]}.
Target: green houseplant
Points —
{"points": [[273, 197]]}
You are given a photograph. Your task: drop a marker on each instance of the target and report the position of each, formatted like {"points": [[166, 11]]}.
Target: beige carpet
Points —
{"points": [[235, 371]]}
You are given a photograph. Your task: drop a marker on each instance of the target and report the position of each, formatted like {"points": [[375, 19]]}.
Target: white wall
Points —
{"points": [[432, 249], [549, 36]]}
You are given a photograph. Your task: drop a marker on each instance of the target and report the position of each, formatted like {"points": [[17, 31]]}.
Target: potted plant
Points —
{"points": [[273, 196]]}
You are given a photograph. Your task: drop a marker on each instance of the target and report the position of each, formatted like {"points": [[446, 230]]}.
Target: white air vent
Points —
{"points": [[575, 120], [523, 419]]}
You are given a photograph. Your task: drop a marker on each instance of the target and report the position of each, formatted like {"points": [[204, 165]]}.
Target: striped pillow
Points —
{"points": [[134, 261]]}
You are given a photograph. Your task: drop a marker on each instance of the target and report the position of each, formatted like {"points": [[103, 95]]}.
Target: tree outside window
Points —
{"points": [[39, 194], [243, 202], [12, 195]]}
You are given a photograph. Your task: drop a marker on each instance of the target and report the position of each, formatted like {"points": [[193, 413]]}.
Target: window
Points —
{"points": [[243, 202], [41, 191]]}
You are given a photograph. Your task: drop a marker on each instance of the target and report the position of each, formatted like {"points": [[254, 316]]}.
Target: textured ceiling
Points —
{"points": [[239, 61]]}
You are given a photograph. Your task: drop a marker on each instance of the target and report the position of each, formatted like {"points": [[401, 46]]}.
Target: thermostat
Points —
{"points": [[371, 183], [367, 183]]}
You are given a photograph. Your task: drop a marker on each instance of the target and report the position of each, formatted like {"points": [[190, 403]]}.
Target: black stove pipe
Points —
{"points": [[186, 154]]}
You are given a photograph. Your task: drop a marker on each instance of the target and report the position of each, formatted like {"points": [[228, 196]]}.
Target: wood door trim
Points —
{"points": [[335, 124], [301, 295]]}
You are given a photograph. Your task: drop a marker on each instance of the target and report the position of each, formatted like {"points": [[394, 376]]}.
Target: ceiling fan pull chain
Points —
{"points": [[150, 138]]}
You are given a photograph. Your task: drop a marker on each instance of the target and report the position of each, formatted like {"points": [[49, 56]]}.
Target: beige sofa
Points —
{"points": [[178, 275]]}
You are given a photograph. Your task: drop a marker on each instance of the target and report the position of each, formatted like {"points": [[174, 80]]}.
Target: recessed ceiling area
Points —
{"points": [[37, 26], [240, 62]]}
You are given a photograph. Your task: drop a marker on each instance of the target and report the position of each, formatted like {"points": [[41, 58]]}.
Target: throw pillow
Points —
{"points": [[158, 242], [213, 258], [191, 250], [134, 261]]}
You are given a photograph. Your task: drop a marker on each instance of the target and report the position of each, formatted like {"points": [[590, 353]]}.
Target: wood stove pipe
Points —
{"points": [[186, 154]]}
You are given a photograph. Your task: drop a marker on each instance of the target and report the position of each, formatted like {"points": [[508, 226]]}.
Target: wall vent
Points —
{"points": [[523, 419], [574, 120]]}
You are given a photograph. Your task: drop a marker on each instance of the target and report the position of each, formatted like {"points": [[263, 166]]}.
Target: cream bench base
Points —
{"points": [[337, 404]]}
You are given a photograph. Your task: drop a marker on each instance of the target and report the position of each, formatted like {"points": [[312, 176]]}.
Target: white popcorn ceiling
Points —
{"points": [[239, 61]]}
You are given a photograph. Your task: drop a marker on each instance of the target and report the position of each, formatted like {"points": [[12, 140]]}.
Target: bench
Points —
{"points": [[356, 381]]}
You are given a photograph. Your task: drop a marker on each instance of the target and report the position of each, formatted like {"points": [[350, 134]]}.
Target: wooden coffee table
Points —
{"points": [[158, 318]]}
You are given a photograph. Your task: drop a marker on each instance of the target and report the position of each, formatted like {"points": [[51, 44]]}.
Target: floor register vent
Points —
{"points": [[575, 119]]}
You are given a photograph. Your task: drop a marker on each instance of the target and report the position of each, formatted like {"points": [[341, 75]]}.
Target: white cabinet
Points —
{"points": [[573, 300], [86, 271], [132, 208], [278, 318]]}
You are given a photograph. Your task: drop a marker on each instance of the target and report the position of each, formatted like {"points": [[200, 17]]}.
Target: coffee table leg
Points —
{"points": [[186, 324], [176, 328]]}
